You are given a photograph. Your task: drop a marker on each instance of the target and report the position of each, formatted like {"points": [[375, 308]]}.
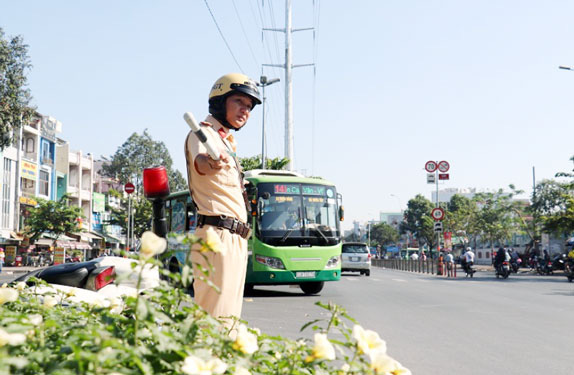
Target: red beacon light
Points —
{"points": [[155, 182]]}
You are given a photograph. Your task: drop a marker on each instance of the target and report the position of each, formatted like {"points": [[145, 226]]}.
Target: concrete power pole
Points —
{"points": [[288, 66]]}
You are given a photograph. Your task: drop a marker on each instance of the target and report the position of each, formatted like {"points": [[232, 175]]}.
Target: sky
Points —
{"points": [[395, 84]]}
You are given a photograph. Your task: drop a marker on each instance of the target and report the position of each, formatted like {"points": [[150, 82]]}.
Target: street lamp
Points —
{"points": [[263, 82]]}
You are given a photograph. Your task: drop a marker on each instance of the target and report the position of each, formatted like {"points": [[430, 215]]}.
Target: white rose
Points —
{"points": [[151, 245], [8, 295]]}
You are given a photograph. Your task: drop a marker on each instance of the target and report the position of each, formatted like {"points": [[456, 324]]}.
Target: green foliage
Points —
{"points": [[162, 331], [15, 98], [139, 152], [142, 210], [254, 162], [461, 217], [418, 220], [55, 217], [496, 219], [383, 234]]}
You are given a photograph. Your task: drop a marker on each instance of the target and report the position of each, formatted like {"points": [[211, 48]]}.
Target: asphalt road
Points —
{"points": [[433, 325]]}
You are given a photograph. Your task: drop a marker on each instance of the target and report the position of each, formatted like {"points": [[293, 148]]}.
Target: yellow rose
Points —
{"points": [[246, 342], [151, 245], [8, 295], [323, 349], [368, 340], [381, 363], [212, 242]]}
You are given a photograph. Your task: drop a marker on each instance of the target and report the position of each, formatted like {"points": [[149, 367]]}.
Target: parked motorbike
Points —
{"points": [[503, 270], [94, 279]]}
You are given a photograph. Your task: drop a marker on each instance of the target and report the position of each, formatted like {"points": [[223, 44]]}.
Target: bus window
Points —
{"points": [[178, 217]]}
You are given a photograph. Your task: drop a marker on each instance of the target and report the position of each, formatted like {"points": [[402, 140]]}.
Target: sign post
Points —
{"points": [[129, 188], [437, 171]]}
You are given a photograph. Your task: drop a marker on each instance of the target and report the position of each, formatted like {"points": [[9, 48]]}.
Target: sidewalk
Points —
{"points": [[16, 270]]}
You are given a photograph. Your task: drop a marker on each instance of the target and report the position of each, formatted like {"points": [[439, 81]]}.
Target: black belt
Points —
{"points": [[229, 223]]}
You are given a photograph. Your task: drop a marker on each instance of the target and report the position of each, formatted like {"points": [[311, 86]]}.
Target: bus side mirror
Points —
{"points": [[341, 213]]}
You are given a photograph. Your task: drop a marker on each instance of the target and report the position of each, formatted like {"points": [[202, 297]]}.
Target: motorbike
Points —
{"points": [[503, 270], [544, 266], [467, 268], [97, 279], [558, 262], [515, 265]]}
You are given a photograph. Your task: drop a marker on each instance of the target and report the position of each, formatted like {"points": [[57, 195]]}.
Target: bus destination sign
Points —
{"points": [[314, 190], [286, 189]]}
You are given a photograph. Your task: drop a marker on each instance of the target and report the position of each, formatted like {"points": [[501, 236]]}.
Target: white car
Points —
{"points": [[355, 257]]}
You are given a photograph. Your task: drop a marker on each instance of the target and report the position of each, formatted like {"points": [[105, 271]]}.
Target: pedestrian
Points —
{"points": [[449, 264], [217, 189], [2, 257]]}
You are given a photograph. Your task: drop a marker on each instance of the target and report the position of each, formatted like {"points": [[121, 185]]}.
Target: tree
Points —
{"points": [[460, 218], [496, 218], [15, 98], [54, 217], [139, 152], [142, 210], [418, 220], [553, 204], [383, 234], [254, 162]]}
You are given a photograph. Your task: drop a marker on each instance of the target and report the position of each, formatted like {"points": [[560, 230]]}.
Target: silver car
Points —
{"points": [[356, 257]]}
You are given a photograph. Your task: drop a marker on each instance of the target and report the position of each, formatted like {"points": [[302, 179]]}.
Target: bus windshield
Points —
{"points": [[297, 214]]}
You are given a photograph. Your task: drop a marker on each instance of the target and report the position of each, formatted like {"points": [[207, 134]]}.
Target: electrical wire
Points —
{"points": [[245, 34], [223, 37]]}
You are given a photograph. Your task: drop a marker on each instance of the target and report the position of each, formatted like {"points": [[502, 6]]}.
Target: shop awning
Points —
{"points": [[73, 245], [15, 236], [44, 242], [111, 239]]}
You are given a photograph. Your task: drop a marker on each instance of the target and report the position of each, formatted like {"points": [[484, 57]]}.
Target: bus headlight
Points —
{"points": [[270, 262], [333, 262]]}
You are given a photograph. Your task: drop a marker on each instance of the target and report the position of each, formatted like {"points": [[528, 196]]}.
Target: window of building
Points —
{"points": [[6, 192], [46, 151], [44, 183]]}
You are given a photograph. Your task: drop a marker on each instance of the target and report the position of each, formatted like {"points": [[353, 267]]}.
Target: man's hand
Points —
{"points": [[205, 165]]}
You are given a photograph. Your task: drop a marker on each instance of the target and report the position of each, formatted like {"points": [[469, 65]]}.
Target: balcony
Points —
{"points": [[74, 158], [86, 163], [73, 191], [47, 161], [31, 156]]}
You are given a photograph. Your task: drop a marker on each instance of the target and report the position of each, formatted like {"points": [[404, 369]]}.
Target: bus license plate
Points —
{"points": [[356, 259], [305, 275]]}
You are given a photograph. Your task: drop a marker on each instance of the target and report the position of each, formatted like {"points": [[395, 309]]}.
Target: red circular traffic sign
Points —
{"points": [[443, 166], [129, 188], [430, 166], [437, 213]]}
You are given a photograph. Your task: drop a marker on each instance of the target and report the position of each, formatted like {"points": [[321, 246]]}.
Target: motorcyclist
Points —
{"points": [[501, 256], [468, 258]]}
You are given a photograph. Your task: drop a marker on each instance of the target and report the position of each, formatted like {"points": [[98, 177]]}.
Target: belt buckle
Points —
{"points": [[234, 226]]}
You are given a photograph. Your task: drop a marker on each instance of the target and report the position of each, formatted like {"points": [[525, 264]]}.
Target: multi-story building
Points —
{"points": [[102, 212]]}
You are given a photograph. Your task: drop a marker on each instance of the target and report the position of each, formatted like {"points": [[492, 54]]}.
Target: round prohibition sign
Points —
{"points": [[443, 166], [129, 188], [437, 213], [430, 166]]}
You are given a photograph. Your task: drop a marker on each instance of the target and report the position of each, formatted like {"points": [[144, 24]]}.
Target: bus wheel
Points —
{"points": [[312, 287]]}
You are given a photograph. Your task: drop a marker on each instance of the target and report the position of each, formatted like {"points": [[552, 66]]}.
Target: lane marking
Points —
{"points": [[400, 280]]}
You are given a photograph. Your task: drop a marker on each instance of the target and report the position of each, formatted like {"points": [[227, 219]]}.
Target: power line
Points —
{"points": [[222, 36], [244, 33]]}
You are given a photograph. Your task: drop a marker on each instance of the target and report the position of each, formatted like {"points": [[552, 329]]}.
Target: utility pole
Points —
{"points": [[288, 66], [264, 82]]}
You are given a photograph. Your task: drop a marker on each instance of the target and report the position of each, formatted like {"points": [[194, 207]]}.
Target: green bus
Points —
{"points": [[296, 238]]}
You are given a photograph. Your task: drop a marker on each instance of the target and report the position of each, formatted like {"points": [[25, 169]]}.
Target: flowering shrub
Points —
{"points": [[161, 331]]}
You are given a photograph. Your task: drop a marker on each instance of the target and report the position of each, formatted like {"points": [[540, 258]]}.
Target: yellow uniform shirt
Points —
{"points": [[219, 194]]}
